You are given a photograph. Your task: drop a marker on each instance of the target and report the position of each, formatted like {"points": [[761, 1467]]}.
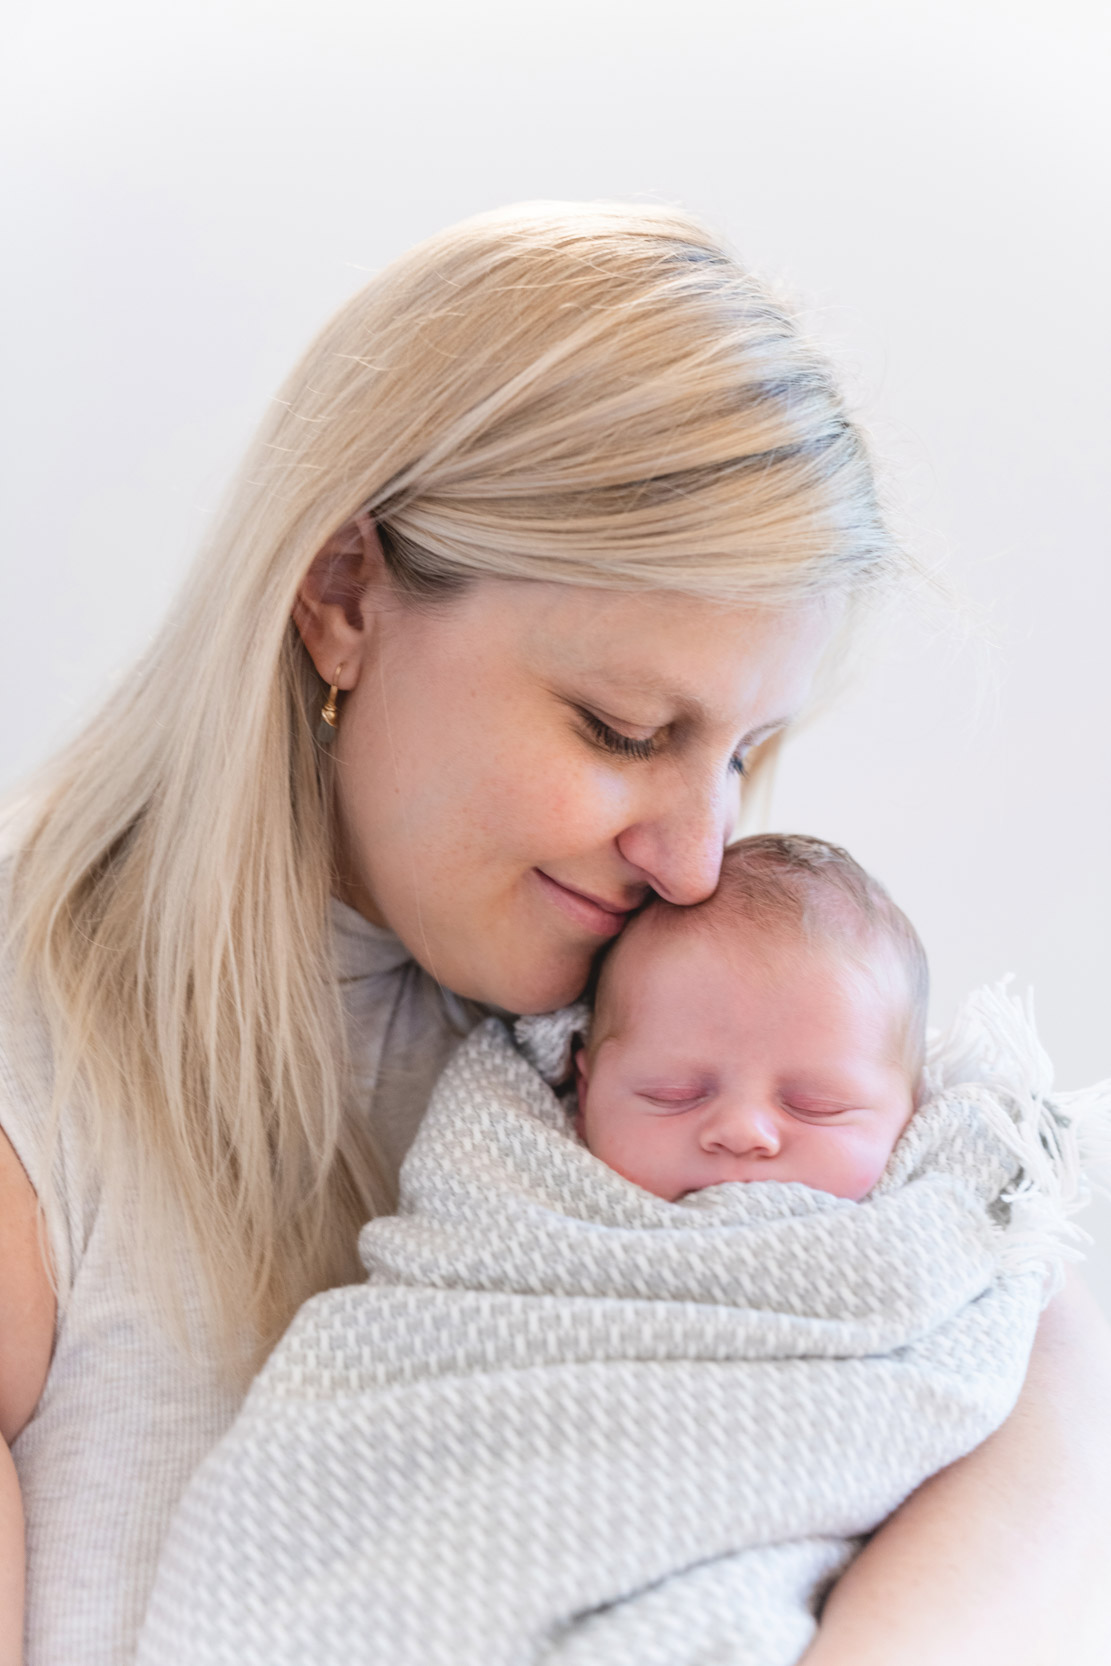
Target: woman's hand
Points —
{"points": [[1004, 1556]]}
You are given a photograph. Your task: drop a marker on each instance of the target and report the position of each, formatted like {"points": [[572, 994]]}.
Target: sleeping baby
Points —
{"points": [[775, 1032], [683, 1296]]}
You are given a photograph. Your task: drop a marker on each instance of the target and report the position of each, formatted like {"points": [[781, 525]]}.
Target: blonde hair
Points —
{"points": [[593, 394]]}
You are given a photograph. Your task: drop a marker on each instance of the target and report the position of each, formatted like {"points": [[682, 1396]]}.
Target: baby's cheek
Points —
{"points": [[637, 1146], [857, 1166]]}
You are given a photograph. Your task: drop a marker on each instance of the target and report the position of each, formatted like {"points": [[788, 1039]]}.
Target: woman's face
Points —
{"points": [[517, 767]]}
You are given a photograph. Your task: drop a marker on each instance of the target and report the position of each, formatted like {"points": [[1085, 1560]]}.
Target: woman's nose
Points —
{"points": [[743, 1130], [677, 843]]}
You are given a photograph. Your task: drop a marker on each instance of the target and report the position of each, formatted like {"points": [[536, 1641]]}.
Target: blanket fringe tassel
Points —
{"points": [[992, 1057]]}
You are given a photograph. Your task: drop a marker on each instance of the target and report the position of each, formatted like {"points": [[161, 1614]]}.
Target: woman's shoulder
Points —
{"points": [[43, 1133]]}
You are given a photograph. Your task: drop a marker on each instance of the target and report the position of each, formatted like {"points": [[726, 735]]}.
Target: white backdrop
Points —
{"points": [[195, 185]]}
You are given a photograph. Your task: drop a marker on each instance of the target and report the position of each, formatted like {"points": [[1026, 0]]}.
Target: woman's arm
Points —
{"points": [[27, 1301], [11, 1562], [1004, 1556], [27, 1307]]}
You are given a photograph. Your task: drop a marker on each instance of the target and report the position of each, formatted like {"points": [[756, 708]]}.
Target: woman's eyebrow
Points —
{"points": [[765, 730], [686, 704], [690, 706]]}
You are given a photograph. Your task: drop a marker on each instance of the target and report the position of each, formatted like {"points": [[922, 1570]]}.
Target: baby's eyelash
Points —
{"points": [[818, 1112], [626, 747], [676, 1103]]}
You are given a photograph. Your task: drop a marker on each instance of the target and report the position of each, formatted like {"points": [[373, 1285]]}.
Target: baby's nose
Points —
{"points": [[744, 1130]]}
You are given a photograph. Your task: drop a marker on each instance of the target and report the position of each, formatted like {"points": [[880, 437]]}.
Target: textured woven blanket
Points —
{"points": [[565, 1421]]}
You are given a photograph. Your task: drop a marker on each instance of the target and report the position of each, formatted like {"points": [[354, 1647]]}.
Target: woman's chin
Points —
{"points": [[517, 970], [539, 988]]}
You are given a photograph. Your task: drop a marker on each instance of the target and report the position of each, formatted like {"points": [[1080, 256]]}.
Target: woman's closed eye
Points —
{"points": [[612, 740]]}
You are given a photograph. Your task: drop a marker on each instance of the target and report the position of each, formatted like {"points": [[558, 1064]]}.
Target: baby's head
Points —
{"points": [[774, 1032]]}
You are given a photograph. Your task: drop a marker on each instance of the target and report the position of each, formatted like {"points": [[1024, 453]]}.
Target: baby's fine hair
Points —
{"points": [[795, 885]]}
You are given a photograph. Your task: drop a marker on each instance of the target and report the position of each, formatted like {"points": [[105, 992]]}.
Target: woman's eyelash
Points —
{"points": [[626, 747], [613, 741]]}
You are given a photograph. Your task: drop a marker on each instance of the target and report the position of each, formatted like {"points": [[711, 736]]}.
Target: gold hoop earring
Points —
{"points": [[328, 710]]}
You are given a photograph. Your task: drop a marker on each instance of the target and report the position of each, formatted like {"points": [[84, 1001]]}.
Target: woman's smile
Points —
{"points": [[604, 919]]}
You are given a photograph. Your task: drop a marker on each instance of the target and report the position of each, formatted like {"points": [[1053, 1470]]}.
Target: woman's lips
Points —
{"points": [[598, 917]]}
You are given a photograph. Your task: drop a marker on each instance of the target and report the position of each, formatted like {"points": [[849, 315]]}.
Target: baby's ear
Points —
{"points": [[582, 1078]]}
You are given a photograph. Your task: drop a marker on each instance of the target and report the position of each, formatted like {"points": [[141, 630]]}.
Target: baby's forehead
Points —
{"points": [[730, 944], [739, 953], [863, 987], [791, 899]]}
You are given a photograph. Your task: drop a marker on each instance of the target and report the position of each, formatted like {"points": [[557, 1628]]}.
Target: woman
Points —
{"points": [[365, 764]]}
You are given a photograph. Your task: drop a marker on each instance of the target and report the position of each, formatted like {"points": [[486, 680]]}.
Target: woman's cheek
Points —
{"points": [[576, 808]]}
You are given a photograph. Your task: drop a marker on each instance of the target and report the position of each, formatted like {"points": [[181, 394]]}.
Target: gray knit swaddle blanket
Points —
{"points": [[565, 1421]]}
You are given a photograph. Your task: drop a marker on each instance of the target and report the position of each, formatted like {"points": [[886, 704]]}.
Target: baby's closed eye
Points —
{"points": [[675, 1099], [801, 1105]]}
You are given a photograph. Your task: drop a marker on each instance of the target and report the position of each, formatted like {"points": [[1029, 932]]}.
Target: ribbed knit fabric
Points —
{"points": [[125, 1417]]}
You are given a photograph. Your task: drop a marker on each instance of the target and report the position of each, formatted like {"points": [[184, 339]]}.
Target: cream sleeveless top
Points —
{"points": [[125, 1418]]}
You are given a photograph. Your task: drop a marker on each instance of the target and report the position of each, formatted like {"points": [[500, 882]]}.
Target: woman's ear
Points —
{"points": [[331, 607]]}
